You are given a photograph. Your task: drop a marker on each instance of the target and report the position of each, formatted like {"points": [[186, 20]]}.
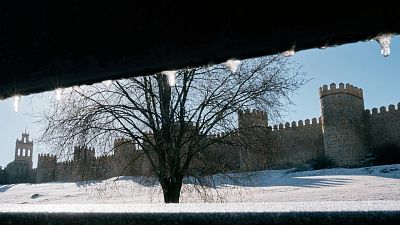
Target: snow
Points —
{"points": [[233, 65], [338, 206], [288, 53], [370, 187], [107, 83]]}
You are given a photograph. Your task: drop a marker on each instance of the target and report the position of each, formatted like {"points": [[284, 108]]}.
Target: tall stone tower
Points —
{"points": [[24, 150], [343, 124], [20, 170]]}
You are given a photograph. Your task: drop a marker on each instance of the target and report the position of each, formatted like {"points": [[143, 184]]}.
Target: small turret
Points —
{"points": [[254, 118], [123, 147], [82, 153], [46, 168]]}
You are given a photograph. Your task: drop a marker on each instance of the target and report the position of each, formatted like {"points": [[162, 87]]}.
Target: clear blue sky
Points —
{"points": [[359, 64]]}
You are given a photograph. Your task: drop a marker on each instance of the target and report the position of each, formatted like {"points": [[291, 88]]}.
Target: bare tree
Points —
{"points": [[171, 124]]}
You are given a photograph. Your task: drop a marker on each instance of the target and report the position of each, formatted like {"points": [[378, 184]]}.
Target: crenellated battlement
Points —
{"points": [[224, 135], [83, 148], [122, 141], [299, 124], [340, 89], [104, 157], [43, 156], [252, 112], [383, 109], [66, 163]]}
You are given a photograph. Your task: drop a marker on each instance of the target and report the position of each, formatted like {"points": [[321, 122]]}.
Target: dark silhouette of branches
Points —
{"points": [[172, 126]]}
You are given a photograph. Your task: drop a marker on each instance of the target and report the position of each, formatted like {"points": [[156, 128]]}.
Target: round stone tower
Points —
{"points": [[343, 124]]}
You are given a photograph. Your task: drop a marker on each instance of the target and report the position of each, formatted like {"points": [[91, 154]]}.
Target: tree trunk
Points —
{"points": [[172, 191]]}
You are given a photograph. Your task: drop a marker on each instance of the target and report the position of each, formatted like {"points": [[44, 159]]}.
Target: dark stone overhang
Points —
{"points": [[46, 46]]}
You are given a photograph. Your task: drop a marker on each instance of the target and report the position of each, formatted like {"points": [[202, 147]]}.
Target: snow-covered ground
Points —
{"points": [[380, 183]]}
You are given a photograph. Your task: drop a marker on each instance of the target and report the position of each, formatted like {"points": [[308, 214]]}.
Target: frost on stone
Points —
{"points": [[233, 65], [288, 53], [58, 94], [17, 98], [107, 83], [384, 42], [171, 76]]}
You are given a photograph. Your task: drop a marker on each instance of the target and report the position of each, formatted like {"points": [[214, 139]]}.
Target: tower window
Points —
{"points": [[23, 152], [19, 152]]}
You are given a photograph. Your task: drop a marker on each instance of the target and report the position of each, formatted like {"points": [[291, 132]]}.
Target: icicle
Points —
{"points": [[78, 89], [107, 83], [59, 92], [384, 42], [17, 98], [233, 64], [288, 53], [171, 75]]}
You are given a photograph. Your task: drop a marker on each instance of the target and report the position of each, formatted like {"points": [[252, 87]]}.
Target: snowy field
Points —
{"points": [[381, 183]]}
